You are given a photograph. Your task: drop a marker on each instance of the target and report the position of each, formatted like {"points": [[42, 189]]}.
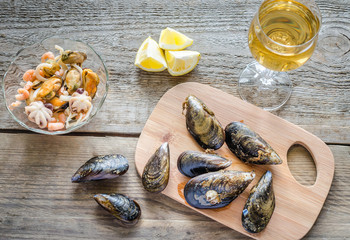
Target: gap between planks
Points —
{"points": [[113, 134], [88, 134]]}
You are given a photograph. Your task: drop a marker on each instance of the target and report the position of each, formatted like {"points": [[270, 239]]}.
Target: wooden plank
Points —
{"points": [[297, 207], [38, 201], [319, 103]]}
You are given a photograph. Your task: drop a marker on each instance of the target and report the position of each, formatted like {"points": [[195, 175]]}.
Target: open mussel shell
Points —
{"points": [[126, 211], [69, 57], [155, 175], [216, 189], [194, 163], [202, 124], [260, 205], [102, 167], [248, 146]]}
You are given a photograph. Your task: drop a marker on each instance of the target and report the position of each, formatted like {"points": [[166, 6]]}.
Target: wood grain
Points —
{"points": [[320, 101], [38, 201], [297, 207]]}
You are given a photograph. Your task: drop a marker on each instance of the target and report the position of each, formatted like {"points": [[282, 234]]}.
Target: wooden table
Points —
{"points": [[37, 199]]}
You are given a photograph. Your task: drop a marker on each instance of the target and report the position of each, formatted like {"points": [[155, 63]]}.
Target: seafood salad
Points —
{"points": [[58, 93]]}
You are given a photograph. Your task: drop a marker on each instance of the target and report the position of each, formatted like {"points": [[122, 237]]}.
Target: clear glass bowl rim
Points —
{"points": [[71, 129]]}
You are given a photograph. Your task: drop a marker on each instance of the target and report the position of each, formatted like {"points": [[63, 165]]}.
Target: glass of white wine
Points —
{"points": [[282, 37]]}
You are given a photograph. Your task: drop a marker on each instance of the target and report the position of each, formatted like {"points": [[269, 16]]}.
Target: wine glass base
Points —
{"points": [[263, 87]]}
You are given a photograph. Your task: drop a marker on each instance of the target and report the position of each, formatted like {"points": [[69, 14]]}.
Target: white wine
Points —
{"points": [[282, 35]]}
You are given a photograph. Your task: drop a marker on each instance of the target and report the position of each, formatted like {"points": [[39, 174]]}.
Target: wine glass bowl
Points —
{"points": [[282, 37]]}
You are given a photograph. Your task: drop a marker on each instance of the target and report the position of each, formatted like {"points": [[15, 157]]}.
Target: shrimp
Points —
{"points": [[14, 105], [29, 75], [28, 86], [23, 94], [62, 118], [55, 126], [46, 56]]}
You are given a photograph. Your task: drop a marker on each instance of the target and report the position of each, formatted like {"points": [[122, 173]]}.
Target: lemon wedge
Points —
{"points": [[181, 62], [173, 40], [150, 57]]}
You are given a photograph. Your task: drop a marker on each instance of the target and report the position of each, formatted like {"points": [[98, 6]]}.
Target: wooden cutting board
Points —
{"points": [[297, 206]]}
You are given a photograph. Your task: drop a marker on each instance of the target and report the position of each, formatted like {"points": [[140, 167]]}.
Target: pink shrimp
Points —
{"points": [[23, 94], [55, 126], [46, 56], [28, 86], [14, 105], [29, 75], [62, 118]]}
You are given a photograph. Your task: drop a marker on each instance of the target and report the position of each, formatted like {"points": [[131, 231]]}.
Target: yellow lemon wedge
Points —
{"points": [[173, 40], [150, 57], [181, 62]]}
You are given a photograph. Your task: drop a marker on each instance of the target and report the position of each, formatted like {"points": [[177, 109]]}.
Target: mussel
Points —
{"points": [[90, 82], [260, 205], [102, 167], [202, 124], [69, 57], [126, 211], [155, 175], [36, 84], [58, 104], [49, 88], [194, 163], [50, 71], [248, 146], [73, 80], [216, 189]]}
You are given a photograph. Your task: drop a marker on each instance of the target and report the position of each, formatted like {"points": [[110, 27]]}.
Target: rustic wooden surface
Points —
{"points": [[37, 199]]}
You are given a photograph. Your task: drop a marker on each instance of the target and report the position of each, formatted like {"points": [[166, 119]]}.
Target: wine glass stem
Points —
{"points": [[266, 77]]}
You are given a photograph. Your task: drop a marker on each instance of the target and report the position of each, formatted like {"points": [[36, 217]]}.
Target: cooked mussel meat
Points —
{"points": [[260, 205], [126, 211], [90, 82], [70, 57], [194, 163], [50, 71], [216, 189], [248, 146], [202, 124], [155, 175], [36, 84], [102, 167], [73, 80], [58, 104], [49, 88]]}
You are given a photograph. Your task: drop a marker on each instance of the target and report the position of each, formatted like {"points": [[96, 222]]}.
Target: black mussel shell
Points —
{"points": [[126, 211], [193, 163], [216, 189], [102, 167], [260, 205], [202, 124], [155, 175], [248, 146]]}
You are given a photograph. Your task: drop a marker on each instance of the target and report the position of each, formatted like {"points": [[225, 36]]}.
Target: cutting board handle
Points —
{"points": [[324, 162]]}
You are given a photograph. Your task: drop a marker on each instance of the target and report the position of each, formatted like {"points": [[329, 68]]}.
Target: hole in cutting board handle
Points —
{"points": [[301, 165]]}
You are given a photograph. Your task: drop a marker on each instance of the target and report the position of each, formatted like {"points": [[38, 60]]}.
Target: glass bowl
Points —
{"points": [[29, 58]]}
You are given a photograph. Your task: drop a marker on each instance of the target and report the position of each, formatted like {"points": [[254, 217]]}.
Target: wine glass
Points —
{"points": [[282, 37]]}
